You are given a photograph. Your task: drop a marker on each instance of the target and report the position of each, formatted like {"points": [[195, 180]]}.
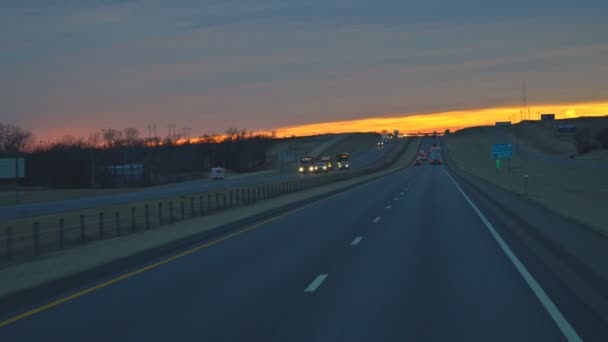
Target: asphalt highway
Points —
{"points": [[405, 257], [177, 189]]}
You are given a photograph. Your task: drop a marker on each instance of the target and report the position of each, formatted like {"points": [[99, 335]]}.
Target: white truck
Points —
{"points": [[217, 173]]}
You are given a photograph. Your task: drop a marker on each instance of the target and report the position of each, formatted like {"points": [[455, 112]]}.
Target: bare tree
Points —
{"points": [[131, 136], [112, 137], [71, 141], [13, 138], [94, 140], [208, 138], [234, 134]]}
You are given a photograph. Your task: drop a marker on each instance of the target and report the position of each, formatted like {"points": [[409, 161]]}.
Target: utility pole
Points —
{"points": [[172, 131]]}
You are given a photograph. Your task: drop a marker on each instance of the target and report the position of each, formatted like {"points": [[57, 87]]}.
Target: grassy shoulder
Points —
{"points": [[61, 264], [571, 190], [356, 144]]}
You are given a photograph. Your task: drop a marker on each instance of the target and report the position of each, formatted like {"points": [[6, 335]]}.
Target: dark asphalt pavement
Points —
{"points": [[178, 189], [425, 268]]}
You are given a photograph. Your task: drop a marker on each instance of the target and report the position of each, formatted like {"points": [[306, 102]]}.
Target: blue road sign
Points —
{"points": [[502, 151]]}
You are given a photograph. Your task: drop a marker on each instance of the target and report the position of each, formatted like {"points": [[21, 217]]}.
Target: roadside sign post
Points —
{"points": [[502, 151], [13, 168]]}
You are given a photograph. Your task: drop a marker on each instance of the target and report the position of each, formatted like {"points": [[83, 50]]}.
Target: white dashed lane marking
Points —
{"points": [[316, 283]]}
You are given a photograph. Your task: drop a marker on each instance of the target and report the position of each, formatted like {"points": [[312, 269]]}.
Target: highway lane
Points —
{"points": [[178, 189], [401, 258]]}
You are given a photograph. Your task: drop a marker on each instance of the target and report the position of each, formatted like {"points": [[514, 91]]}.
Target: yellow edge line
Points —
{"points": [[149, 267]]}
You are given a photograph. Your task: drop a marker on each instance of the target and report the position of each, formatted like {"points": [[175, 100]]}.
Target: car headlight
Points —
{"points": [[324, 167], [301, 168]]}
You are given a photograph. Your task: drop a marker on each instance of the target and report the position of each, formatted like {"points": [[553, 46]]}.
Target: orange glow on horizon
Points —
{"points": [[452, 120]]}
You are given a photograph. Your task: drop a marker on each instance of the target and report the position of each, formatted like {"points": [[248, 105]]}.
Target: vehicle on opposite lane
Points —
{"points": [[307, 165], [343, 161], [321, 167], [329, 162]]}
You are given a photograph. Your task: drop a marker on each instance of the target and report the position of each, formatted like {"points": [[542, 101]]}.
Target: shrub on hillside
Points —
{"points": [[602, 138], [584, 142]]}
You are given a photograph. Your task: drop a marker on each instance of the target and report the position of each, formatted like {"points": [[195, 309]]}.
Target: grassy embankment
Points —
{"points": [[572, 188]]}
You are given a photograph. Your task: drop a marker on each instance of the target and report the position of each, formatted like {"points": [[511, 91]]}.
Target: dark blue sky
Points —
{"points": [[77, 66]]}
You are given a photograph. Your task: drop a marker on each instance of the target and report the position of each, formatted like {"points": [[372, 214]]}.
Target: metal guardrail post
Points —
{"points": [[61, 224], [217, 201], [9, 243], [200, 205], [101, 226], [191, 206], [117, 216], [160, 213], [182, 209], [36, 236], [171, 216], [147, 210], [224, 199], [231, 202], [83, 236], [133, 222]]}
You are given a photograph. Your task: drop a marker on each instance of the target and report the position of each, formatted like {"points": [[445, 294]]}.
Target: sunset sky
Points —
{"points": [[73, 67]]}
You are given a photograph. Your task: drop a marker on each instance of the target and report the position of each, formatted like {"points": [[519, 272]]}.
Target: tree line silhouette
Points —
{"points": [[76, 162]]}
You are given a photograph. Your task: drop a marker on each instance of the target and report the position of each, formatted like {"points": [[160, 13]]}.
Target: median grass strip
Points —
{"points": [[59, 265]]}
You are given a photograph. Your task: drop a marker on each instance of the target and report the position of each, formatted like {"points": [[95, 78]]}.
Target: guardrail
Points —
{"points": [[27, 239]]}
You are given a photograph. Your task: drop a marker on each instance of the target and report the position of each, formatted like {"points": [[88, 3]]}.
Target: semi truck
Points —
{"points": [[343, 161], [307, 165]]}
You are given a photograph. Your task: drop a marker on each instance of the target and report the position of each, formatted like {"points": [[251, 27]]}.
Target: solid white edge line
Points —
{"points": [[388, 207], [356, 241], [316, 283], [377, 219], [559, 319]]}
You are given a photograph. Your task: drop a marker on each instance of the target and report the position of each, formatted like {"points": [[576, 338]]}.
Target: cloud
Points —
{"points": [[278, 63]]}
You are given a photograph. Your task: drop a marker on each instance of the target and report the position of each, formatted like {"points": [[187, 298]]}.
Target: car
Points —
{"points": [[328, 161], [421, 155], [321, 167], [380, 144], [417, 162]]}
